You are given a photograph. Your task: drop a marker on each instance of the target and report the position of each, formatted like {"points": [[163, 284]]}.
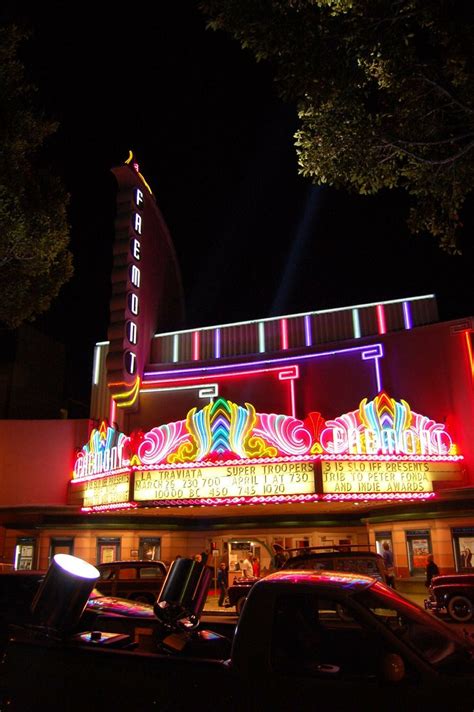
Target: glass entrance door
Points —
{"points": [[418, 546]]}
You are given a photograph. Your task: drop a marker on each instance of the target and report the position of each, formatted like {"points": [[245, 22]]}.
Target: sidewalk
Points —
{"points": [[211, 605]]}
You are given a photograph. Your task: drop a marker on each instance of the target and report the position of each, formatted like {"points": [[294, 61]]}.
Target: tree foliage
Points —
{"points": [[34, 232], [384, 90]]}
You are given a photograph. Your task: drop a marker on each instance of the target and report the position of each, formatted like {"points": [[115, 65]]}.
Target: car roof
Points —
{"points": [[133, 562], [326, 579], [337, 555]]}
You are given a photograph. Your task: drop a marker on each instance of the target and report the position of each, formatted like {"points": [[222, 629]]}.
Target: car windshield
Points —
{"points": [[429, 637]]}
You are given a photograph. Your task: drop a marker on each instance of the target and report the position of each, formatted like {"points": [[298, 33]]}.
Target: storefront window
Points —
{"points": [[61, 545], [25, 554], [108, 550], [463, 544], [418, 546], [149, 549]]}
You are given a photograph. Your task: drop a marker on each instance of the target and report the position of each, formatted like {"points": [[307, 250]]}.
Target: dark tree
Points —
{"points": [[34, 232], [384, 90]]}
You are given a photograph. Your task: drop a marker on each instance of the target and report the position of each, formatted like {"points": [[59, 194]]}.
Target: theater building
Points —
{"points": [[345, 426]]}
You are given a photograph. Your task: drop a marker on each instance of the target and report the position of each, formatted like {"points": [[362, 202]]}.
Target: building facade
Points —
{"points": [[345, 426]]}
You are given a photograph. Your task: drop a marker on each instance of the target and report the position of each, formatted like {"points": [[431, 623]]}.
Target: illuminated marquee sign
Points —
{"points": [[286, 478], [385, 477], [107, 490], [230, 453], [386, 427], [144, 263], [102, 454], [134, 277]]}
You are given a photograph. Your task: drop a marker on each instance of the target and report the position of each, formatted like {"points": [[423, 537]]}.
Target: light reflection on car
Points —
{"points": [[100, 604]]}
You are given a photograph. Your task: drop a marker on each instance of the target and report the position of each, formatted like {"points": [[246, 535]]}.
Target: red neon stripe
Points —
{"points": [[284, 334], [113, 411], [469, 351], [196, 345], [381, 319]]}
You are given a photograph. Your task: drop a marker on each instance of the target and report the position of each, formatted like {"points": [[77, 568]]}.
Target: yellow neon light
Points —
{"points": [[131, 395], [128, 161]]}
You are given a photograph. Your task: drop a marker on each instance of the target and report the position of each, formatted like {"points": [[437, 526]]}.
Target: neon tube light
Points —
{"points": [[308, 336], [217, 343], [196, 345], [407, 315], [469, 351], [382, 326], [300, 314], [356, 323], [261, 337], [374, 351], [96, 365], [113, 411], [127, 398], [176, 348], [342, 497], [284, 334]]}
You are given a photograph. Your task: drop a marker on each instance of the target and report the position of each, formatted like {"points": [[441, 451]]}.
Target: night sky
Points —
{"points": [[253, 239]]}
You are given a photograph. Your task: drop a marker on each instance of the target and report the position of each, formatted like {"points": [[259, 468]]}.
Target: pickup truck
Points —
{"points": [[305, 639]]}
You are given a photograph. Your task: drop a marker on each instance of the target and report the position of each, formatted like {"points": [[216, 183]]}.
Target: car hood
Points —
{"points": [[118, 606]]}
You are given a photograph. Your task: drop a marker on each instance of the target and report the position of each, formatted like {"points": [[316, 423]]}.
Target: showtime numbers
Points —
{"points": [[216, 481]]}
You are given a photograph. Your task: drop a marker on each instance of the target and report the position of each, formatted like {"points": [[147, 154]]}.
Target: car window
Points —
{"points": [[311, 634], [107, 574], [368, 566], [127, 573], [310, 564], [150, 572], [430, 638]]}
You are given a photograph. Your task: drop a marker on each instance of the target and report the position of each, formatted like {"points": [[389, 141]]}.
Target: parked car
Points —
{"points": [[452, 594], [343, 559], [138, 580]]}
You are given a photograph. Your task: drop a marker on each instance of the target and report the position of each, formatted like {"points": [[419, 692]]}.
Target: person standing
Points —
{"points": [[246, 566], [387, 555], [222, 583], [256, 566], [431, 569]]}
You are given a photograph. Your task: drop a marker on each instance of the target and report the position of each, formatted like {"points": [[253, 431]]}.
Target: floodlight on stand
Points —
{"points": [[183, 594], [64, 592]]}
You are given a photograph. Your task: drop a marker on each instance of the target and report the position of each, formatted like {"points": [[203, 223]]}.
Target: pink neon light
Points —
{"points": [[381, 319], [393, 458], [113, 411], [284, 334], [373, 352], [378, 495], [216, 376], [196, 345], [293, 398], [105, 507], [215, 501]]}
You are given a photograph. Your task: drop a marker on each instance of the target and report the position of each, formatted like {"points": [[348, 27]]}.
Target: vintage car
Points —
{"points": [[138, 580], [343, 559], [452, 594]]}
